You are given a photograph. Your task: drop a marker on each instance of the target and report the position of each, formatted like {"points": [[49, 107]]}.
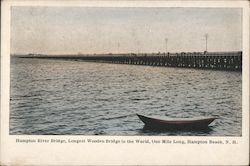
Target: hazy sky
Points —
{"points": [[64, 30]]}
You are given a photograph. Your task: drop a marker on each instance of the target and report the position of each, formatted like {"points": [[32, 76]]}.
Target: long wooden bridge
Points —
{"points": [[218, 60]]}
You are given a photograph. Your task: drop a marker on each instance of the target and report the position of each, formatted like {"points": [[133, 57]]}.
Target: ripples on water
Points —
{"points": [[82, 98]]}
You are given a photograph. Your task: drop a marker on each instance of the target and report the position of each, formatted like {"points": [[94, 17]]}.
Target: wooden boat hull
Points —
{"points": [[175, 124]]}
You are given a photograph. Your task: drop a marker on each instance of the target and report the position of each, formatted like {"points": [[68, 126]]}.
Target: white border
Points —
{"points": [[120, 154]]}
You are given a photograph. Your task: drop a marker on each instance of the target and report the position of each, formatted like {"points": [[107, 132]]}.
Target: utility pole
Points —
{"points": [[166, 41], [138, 45], [206, 36], [118, 46]]}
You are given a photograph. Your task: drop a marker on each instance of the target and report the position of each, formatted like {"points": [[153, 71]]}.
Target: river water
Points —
{"points": [[83, 98]]}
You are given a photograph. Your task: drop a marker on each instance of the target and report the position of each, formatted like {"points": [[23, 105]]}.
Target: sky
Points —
{"points": [[88, 30]]}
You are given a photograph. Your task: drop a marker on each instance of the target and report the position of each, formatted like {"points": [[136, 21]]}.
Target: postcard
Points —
{"points": [[125, 83]]}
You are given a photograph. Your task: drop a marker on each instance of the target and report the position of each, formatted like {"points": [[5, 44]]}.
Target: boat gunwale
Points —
{"points": [[148, 121]]}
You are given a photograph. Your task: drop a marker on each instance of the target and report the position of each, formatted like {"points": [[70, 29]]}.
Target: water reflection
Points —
{"points": [[174, 131]]}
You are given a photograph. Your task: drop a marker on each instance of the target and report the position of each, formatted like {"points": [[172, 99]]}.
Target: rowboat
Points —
{"points": [[156, 123]]}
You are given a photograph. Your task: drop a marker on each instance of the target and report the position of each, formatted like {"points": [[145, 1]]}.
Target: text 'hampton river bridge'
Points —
{"points": [[202, 60]]}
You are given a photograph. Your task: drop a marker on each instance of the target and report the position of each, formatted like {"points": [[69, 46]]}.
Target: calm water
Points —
{"points": [[71, 97]]}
